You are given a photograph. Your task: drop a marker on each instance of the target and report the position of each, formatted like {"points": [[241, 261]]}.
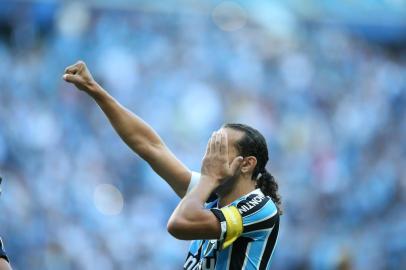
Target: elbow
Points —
{"points": [[148, 151], [142, 148], [176, 227]]}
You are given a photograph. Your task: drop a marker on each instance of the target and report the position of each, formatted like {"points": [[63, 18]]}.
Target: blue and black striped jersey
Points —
{"points": [[249, 227], [2, 251]]}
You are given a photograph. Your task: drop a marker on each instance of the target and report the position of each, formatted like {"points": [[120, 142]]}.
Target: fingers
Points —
{"points": [[208, 145], [75, 68], [71, 78], [224, 144], [218, 142], [213, 143], [235, 165], [71, 69]]}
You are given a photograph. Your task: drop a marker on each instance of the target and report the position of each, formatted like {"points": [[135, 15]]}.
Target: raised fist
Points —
{"points": [[80, 76]]}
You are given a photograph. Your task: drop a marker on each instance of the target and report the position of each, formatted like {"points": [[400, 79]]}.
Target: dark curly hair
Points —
{"points": [[254, 144]]}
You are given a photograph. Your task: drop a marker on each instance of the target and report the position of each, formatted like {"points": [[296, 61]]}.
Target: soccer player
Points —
{"points": [[230, 211]]}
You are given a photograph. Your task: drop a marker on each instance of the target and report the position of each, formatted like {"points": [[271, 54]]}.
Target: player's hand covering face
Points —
{"points": [[216, 164], [80, 76]]}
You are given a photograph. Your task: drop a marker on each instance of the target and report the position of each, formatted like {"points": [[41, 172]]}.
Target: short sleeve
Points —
{"points": [[255, 213], [193, 181], [2, 251], [230, 223], [258, 213]]}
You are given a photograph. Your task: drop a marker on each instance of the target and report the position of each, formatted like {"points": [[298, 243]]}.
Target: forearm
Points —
{"points": [[191, 206], [143, 140], [137, 134], [191, 220]]}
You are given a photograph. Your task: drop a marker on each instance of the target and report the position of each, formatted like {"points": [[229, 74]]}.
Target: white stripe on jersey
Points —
{"points": [[263, 249], [229, 257], [246, 259]]}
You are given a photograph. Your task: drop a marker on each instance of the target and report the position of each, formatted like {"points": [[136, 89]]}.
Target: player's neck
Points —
{"points": [[243, 186]]}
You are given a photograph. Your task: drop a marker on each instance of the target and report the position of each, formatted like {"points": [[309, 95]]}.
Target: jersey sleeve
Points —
{"points": [[193, 182], [3, 252], [253, 214], [258, 213]]}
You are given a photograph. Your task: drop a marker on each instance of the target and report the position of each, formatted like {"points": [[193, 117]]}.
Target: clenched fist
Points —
{"points": [[80, 76]]}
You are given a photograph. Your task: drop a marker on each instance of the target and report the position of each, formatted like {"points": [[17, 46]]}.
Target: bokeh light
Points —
{"points": [[229, 16], [108, 199]]}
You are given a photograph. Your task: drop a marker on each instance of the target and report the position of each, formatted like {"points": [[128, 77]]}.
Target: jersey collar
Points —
{"points": [[255, 191]]}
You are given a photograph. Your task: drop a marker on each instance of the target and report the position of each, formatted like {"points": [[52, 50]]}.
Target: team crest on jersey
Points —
{"points": [[208, 262]]}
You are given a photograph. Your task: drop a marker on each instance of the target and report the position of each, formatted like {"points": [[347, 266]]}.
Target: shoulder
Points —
{"points": [[256, 203], [258, 212]]}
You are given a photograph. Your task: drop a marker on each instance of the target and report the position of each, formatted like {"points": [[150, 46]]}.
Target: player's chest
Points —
{"points": [[203, 255]]}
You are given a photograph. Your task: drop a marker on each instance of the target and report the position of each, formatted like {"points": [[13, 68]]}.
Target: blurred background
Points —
{"points": [[324, 81]]}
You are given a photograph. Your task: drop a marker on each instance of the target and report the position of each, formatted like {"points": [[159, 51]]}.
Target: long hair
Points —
{"points": [[254, 144]]}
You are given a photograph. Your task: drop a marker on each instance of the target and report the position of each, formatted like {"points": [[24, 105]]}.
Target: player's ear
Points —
{"points": [[248, 164]]}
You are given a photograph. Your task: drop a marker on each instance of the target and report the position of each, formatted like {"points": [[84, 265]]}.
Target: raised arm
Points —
{"points": [[136, 133]]}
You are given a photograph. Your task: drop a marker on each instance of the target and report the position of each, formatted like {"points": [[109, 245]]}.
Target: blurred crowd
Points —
{"points": [[331, 105]]}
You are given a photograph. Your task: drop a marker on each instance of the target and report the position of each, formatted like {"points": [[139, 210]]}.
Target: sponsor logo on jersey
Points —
{"points": [[251, 204]]}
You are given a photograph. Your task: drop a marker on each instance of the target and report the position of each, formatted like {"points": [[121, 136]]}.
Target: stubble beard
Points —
{"points": [[227, 186]]}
